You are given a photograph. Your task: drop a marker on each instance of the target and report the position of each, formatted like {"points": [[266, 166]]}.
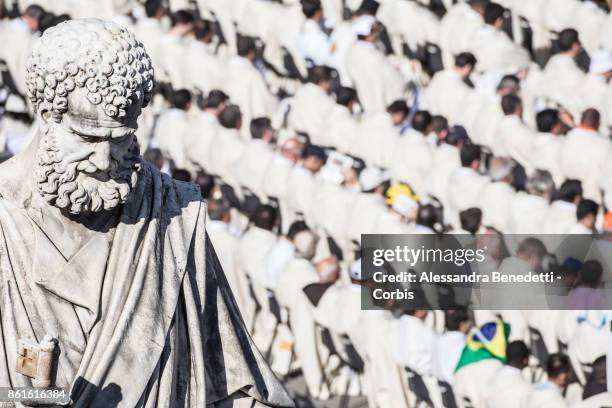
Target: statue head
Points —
{"points": [[88, 80]]}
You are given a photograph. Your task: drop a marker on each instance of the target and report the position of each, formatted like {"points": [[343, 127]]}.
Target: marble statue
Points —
{"points": [[108, 280]]}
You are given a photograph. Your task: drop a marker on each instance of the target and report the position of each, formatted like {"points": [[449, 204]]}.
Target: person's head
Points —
{"points": [[215, 101], [500, 169], [471, 219], [312, 9], [590, 274], [203, 31], [305, 243], [439, 125], [398, 110], [366, 28], [532, 251], [457, 319], [517, 354], [569, 42], [569, 271], [541, 184], [246, 47], [457, 136], [321, 75], [558, 369], [206, 183], [591, 119], [346, 97], [470, 156], [297, 226], [368, 7], [218, 210], [88, 154], [153, 9], [509, 84], [182, 22], [548, 121], [421, 121], [586, 213], [313, 157], [32, 15], [265, 217], [291, 149], [494, 15], [420, 314], [427, 215], [512, 105], [155, 156], [181, 175], [570, 191], [181, 99], [464, 64], [328, 269], [479, 5], [261, 128], [231, 117]]}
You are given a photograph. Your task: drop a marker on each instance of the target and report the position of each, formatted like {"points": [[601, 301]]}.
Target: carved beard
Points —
{"points": [[64, 184]]}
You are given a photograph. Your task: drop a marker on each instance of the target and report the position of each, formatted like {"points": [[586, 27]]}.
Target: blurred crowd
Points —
{"points": [[308, 123]]}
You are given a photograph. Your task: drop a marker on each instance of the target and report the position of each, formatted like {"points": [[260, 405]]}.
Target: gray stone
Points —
{"points": [[108, 256]]}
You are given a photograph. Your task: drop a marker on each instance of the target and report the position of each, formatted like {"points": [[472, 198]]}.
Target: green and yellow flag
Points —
{"points": [[488, 341]]}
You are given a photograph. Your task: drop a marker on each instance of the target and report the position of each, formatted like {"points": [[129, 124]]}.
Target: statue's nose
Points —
{"points": [[101, 156]]}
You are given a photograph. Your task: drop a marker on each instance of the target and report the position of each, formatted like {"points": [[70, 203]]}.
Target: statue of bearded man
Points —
{"points": [[106, 258]]}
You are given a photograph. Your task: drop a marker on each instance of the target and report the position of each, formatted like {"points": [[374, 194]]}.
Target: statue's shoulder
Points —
{"points": [[187, 195]]}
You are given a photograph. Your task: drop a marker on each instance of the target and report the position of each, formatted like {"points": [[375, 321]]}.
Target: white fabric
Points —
{"points": [[545, 395], [507, 389], [446, 352]]}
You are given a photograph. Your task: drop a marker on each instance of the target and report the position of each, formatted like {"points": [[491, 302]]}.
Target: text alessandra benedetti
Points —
{"points": [[473, 277]]}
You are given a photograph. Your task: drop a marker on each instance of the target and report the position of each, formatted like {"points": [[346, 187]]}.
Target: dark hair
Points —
{"points": [[421, 121], [471, 219], [202, 28], [230, 117], [244, 45], [558, 364], [454, 317], [469, 153], [264, 217], [295, 228], [492, 12], [439, 123], [586, 207], [547, 119], [509, 81], [398, 106], [465, 58], [427, 215], [34, 11], [215, 98], [345, 95], [510, 103], [259, 126], [182, 17], [591, 117], [517, 352], [217, 209], [368, 7], [311, 7], [457, 134], [313, 151], [569, 190], [590, 274], [567, 38], [181, 175], [152, 7], [153, 155], [181, 99], [319, 73], [206, 183]]}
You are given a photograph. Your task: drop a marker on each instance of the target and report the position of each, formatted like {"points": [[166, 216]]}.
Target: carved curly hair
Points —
{"points": [[100, 56]]}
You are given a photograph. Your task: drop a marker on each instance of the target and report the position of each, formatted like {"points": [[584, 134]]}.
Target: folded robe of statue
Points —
{"points": [[142, 312]]}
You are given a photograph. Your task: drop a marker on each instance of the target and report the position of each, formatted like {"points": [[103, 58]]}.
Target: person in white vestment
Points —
{"points": [[586, 215], [549, 394], [172, 133], [205, 125], [529, 208], [514, 138], [508, 388], [302, 184], [229, 146], [562, 213], [448, 346], [312, 42], [547, 144], [497, 196], [257, 155], [173, 47]]}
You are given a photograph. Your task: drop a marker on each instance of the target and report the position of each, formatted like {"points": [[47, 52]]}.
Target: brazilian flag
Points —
{"points": [[488, 341]]}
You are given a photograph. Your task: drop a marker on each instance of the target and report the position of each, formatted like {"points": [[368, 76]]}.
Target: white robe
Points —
{"points": [[545, 395], [309, 110], [545, 151], [377, 81], [507, 389], [411, 159], [470, 380], [514, 140], [376, 140], [339, 129], [228, 148], [204, 127], [496, 200], [559, 218], [172, 136], [256, 157], [464, 191], [527, 212]]}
